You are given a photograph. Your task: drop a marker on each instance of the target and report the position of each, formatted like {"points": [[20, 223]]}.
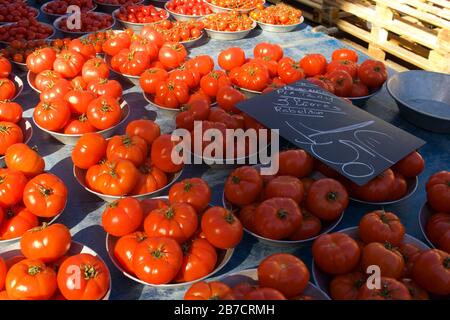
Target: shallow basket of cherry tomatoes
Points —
{"points": [[90, 22], [182, 10], [135, 17], [18, 11], [15, 31], [279, 18], [241, 6], [228, 26], [184, 32], [54, 9], [108, 6], [223, 256], [79, 254]]}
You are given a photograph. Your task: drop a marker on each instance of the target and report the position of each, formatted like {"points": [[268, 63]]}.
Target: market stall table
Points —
{"points": [[83, 211]]}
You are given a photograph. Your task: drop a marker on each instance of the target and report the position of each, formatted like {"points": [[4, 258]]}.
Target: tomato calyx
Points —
{"points": [[89, 271], [214, 297], [389, 246], [282, 214], [46, 192], [229, 217], [83, 118], [130, 55], [103, 81], [140, 236], [235, 179], [385, 292], [157, 254], [39, 228], [169, 213], [105, 106], [214, 75], [126, 141], [34, 270], [332, 196], [114, 204], [446, 263], [4, 129], [187, 186]]}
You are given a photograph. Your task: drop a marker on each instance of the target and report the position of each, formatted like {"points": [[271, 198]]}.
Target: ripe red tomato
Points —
{"points": [[68, 63], [187, 76], [411, 165], [157, 260], [125, 247], [5, 67], [214, 290], [336, 253], [359, 89], [344, 54], [231, 58], [327, 199], [171, 93], [7, 89], [55, 90], [79, 125], [151, 34], [386, 257], [30, 279], [151, 179], [313, 64], [285, 273], [204, 64], [323, 82], [93, 69], [199, 260], [83, 277], [268, 50], [53, 115], [372, 73], [194, 191], [44, 78], [122, 217], [295, 163], [438, 191], [289, 71], [161, 154], [346, 286], [45, 195], [391, 289], [438, 230], [41, 59], [243, 186], [345, 65], [46, 243], [277, 218], [342, 82], [115, 43], [264, 294], [221, 228], [410, 253], [17, 221], [214, 80], [130, 62], [21, 157], [150, 78], [3, 271], [83, 46], [89, 150], [285, 186], [132, 148], [12, 184], [10, 134], [79, 100], [115, 178], [253, 76], [310, 227], [104, 112], [146, 46], [105, 87], [400, 188], [144, 128], [172, 55], [431, 271], [78, 83], [381, 226], [227, 98], [417, 293], [377, 189], [178, 221]]}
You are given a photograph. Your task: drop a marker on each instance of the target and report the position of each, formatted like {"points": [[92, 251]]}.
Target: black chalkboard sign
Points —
{"points": [[350, 140]]}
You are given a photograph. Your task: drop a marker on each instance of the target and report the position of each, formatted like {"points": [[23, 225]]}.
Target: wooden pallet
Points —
{"points": [[417, 31]]}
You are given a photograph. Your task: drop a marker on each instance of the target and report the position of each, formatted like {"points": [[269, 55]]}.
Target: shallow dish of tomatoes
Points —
{"points": [[108, 6], [250, 276], [32, 13], [241, 6], [71, 139], [13, 253], [218, 26], [323, 279], [81, 32], [137, 26], [14, 28], [223, 257], [201, 8], [51, 16], [80, 176], [276, 28]]}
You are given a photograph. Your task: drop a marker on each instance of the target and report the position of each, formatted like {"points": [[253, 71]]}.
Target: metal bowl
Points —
{"points": [[77, 34], [5, 44], [181, 17], [412, 184], [223, 257], [52, 16], [361, 101], [18, 83], [13, 250], [425, 214], [137, 27], [71, 139], [251, 276], [80, 175], [279, 28], [323, 280], [217, 9], [229, 36], [27, 130], [249, 93], [109, 8], [422, 98]]}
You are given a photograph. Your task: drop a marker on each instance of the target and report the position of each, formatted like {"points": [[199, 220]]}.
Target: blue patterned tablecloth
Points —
{"points": [[83, 212]]}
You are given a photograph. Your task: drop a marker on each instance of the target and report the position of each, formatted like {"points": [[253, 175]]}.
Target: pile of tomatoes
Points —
{"points": [[288, 205], [118, 2], [45, 269], [238, 4], [59, 7], [280, 14], [280, 276], [407, 271], [27, 193], [228, 22], [390, 185], [141, 14], [25, 30], [90, 22], [180, 31], [194, 8], [13, 11], [438, 195], [138, 162], [183, 231]]}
